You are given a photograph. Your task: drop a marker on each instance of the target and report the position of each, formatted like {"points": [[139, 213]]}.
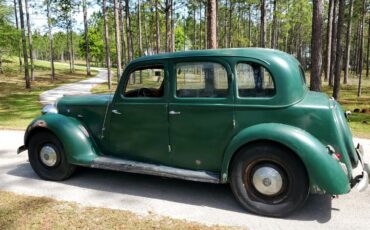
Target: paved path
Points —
{"points": [[201, 202], [82, 87]]}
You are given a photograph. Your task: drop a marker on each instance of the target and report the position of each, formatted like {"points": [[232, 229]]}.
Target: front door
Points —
{"points": [[138, 128], [200, 114]]}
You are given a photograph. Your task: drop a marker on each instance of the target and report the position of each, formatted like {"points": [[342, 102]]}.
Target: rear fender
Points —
{"points": [[78, 145], [325, 174]]}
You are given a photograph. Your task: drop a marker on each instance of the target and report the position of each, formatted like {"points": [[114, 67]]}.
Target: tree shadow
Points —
{"points": [[217, 196]]}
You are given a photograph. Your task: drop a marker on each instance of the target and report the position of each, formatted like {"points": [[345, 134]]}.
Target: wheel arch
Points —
{"points": [[78, 145], [312, 153]]}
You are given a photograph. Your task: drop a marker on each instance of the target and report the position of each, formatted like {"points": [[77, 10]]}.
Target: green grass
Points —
{"points": [[28, 212], [19, 106], [359, 121]]}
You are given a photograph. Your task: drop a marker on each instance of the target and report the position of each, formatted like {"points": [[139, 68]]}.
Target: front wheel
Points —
{"points": [[47, 157], [269, 179]]}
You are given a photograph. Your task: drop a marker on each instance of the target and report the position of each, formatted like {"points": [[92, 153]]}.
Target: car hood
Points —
{"points": [[81, 100]]}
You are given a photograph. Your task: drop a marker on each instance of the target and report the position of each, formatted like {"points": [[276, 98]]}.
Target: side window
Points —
{"points": [[201, 79], [254, 81], [146, 82]]}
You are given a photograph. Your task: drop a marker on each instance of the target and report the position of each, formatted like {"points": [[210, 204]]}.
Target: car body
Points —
{"points": [[239, 116]]}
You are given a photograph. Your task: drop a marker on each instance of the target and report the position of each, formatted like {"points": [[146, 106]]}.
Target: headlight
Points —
{"points": [[49, 109]]}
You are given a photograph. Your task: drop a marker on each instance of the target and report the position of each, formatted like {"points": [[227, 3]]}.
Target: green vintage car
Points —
{"points": [[238, 116]]}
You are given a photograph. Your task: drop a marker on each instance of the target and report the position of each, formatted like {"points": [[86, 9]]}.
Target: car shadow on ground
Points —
{"points": [[317, 208]]}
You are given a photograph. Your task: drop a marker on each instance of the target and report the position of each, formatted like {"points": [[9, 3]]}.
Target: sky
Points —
{"points": [[38, 16]]}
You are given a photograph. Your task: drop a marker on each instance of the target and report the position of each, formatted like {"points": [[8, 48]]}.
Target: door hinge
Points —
{"points": [[169, 148]]}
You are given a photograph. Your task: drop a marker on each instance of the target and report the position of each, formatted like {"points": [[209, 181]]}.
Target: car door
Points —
{"points": [[138, 126], [200, 113]]}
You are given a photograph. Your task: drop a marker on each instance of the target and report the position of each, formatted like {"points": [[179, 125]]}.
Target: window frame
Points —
{"points": [[215, 60], [143, 66], [248, 62]]}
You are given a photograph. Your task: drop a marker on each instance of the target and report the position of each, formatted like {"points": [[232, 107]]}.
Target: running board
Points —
{"points": [[117, 164]]}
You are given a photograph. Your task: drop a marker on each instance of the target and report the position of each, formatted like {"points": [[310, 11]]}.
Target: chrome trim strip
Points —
{"points": [[116, 164]]}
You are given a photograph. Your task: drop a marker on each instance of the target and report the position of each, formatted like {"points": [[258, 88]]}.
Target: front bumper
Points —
{"points": [[361, 181]]}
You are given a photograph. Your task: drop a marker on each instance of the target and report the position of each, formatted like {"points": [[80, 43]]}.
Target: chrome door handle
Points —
{"points": [[174, 113], [115, 111]]}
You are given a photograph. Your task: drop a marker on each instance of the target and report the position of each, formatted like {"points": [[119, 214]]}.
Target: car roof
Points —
{"points": [[264, 54]]}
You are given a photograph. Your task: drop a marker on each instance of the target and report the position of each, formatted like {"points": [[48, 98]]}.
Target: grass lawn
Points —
{"points": [[19, 106], [27, 212]]}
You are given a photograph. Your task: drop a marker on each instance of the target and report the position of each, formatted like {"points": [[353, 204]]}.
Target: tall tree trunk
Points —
{"points": [[206, 25], [24, 45], [274, 26], [167, 11], [339, 52], [212, 20], [368, 50], [316, 45], [195, 29], [69, 48], [249, 25], [20, 40], [118, 39], [333, 45], [328, 39], [348, 42], [48, 11], [157, 29], [200, 26], [128, 32], [263, 24], [29, 39], [172, 27], [72, 48], [140, 40], [230, 26], [86, 37], [123, 41], [361, 48], [106, 43]]}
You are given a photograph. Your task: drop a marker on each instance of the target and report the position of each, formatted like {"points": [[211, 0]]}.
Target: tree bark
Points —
{"points": [[123, 41], [29, 39], [361, 48], [368, 50], [118, 39], [106, 43], [20, 40], [128, 32], [249, 25], [333, 45], [339, 52], [274, 26], [316, 45], [172, 27], [212, 28], [48, 10], [157, 29], [328, 40], [167, 10], [230, 26], [348, 42], [24, 45], [86, 37], [263, 24]]}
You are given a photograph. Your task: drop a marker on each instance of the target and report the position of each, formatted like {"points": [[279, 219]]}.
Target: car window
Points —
{"points": [[254, 81], [201, 79], [145, 82]]}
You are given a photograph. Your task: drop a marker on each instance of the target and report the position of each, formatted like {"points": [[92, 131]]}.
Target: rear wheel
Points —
{"points": [[47, 157], [269, 179]]}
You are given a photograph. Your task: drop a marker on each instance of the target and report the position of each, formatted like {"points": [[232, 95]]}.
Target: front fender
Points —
{"points": [[325, 174], [78, 145]]}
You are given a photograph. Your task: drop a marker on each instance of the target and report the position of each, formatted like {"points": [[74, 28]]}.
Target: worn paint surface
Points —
{"points": [[209, 131]]}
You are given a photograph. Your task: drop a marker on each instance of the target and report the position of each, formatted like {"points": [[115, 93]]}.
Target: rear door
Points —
{"points": [[200, 113]]}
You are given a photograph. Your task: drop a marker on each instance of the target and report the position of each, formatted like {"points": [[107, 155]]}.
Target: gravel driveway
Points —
{"points": [[205, 203]]}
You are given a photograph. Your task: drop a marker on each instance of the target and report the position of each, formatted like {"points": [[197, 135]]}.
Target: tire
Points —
{"points": [[269, 179], [50, 166]]}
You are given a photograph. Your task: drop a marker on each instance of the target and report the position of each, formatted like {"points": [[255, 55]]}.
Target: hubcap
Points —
{"points": [[267, 181], [48, 155]]}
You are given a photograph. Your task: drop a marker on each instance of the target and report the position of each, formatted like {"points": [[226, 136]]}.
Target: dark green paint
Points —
{"points": [[209, 131]]}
